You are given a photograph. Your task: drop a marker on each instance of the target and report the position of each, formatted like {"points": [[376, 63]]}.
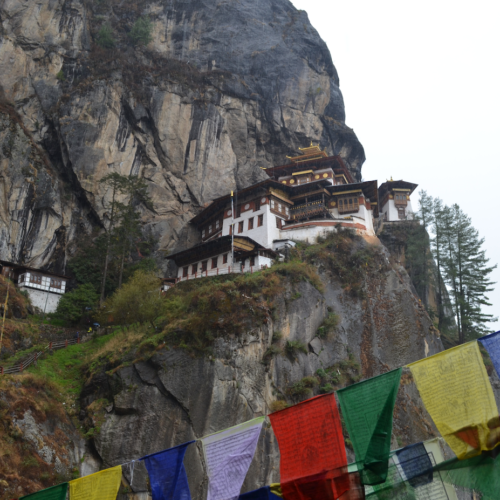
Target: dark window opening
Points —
{"points": [[204, 266], [260, 221], [184, 272], [250, 223], [194, 268], [224, 258], [252, 261], [214, 263], [240, 227]]}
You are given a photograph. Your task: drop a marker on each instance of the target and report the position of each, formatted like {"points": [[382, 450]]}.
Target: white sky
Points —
{"points": [[421, 85]]}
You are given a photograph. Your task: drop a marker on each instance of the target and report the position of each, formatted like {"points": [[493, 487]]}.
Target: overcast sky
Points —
{"points": [[421, 85]]}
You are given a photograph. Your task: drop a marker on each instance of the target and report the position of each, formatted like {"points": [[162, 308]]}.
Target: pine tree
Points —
{"points": [[466, 272]]}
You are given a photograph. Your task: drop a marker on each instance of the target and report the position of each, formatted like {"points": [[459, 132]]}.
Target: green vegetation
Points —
{"points": [[137, 301], [328, 326], [141, 31], [345, 255], [105, 37], [293, 347], [461, 265], [73, 305], [60, 76]]}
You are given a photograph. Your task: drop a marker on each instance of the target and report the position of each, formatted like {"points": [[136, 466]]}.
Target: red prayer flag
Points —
{"points": [[313, 462]]}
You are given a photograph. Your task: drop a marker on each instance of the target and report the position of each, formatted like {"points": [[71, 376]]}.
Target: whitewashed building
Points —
{"points": [[308, 197], [44, 288], [395, 202]]}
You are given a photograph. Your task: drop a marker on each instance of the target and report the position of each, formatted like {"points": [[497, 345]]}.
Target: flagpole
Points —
{"points": [[232, 231]]}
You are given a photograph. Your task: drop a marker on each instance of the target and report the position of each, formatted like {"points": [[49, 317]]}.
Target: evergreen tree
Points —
{"points": [[466, 272], [105, 37], [141, 31]]}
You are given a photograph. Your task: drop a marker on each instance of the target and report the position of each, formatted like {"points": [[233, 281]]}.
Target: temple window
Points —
{"points": [[194, 268], [36, 279], [257, 205], [401, 213], [238, 211], [217, 224], [279, 207], [224, 258], [348, 204], [214, 262], [204, 265], [203, 233], [185, 272], [272, 203], [252, 260], [55, 283], [260, 220], [250, 223], [210, 229], [240, 227], [278, 222]]}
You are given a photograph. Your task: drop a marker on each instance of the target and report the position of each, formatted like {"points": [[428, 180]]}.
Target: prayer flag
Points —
{"points": [[313, 462], [167, 474], [457, 393], [492, 344], [264, 493], [480, 474], [416, 464], [54, 493], [367, 408], [228, 455], [102, 485]]}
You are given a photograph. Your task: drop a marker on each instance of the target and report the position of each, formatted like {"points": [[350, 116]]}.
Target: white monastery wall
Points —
{"points": [[46, 301]]}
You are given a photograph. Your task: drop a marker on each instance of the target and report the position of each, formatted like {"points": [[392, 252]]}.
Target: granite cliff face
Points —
{"points": [[171, 397], [223, 89]]}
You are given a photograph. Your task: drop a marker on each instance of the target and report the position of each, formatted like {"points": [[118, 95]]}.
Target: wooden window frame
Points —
{"points": [[204, 265], [278, 222], [194, 268], [185, 271], [250, 223], [352, 204], [260, 220], [224, 258], [215, 262], [240, 227]]}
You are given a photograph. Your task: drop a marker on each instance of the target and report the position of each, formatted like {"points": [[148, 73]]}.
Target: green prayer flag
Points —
{"points": [[480, 474], [54, 493], [367, 408]]}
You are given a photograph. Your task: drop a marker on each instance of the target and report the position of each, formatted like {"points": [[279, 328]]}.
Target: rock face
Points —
{"points": [[223, 89], [173, 397]]}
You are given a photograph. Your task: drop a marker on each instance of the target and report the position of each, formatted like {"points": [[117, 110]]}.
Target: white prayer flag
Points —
{"points": [[228, 455]]}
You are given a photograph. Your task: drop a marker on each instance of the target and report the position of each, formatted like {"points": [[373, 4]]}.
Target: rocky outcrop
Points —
{"points": [[223, 89], [172, 397]]}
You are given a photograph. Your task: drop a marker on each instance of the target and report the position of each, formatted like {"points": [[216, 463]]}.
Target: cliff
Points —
{"points": [[223, 89]]}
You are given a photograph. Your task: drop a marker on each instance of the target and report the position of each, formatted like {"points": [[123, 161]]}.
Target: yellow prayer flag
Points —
{"points": [[102, 485], [457, 393]]}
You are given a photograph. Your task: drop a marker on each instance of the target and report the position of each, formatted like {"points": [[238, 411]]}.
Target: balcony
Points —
{"points": [[312, 210]]}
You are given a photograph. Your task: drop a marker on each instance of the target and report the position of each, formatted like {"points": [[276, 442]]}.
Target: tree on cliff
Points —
{"points": [[462, 262], [124, 223]]}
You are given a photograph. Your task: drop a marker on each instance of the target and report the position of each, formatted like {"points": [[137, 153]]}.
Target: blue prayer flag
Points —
{"points": [[492, 344], [167, 474], [416, 464]]}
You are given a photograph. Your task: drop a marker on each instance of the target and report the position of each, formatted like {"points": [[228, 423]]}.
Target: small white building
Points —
{"points": [[395, 202], [44, 288]]}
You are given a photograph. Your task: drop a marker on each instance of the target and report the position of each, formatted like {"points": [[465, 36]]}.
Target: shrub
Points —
{"points": [[141, 31], [277, 336], [293, 347], [278, 405], [272, 351], [328, 326], [137, 301], [72, 305], [326, 388], [105, 37], [60, 76]]}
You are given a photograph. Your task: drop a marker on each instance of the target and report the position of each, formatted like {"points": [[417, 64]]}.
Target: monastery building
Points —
{"points": [[309, 196]]}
